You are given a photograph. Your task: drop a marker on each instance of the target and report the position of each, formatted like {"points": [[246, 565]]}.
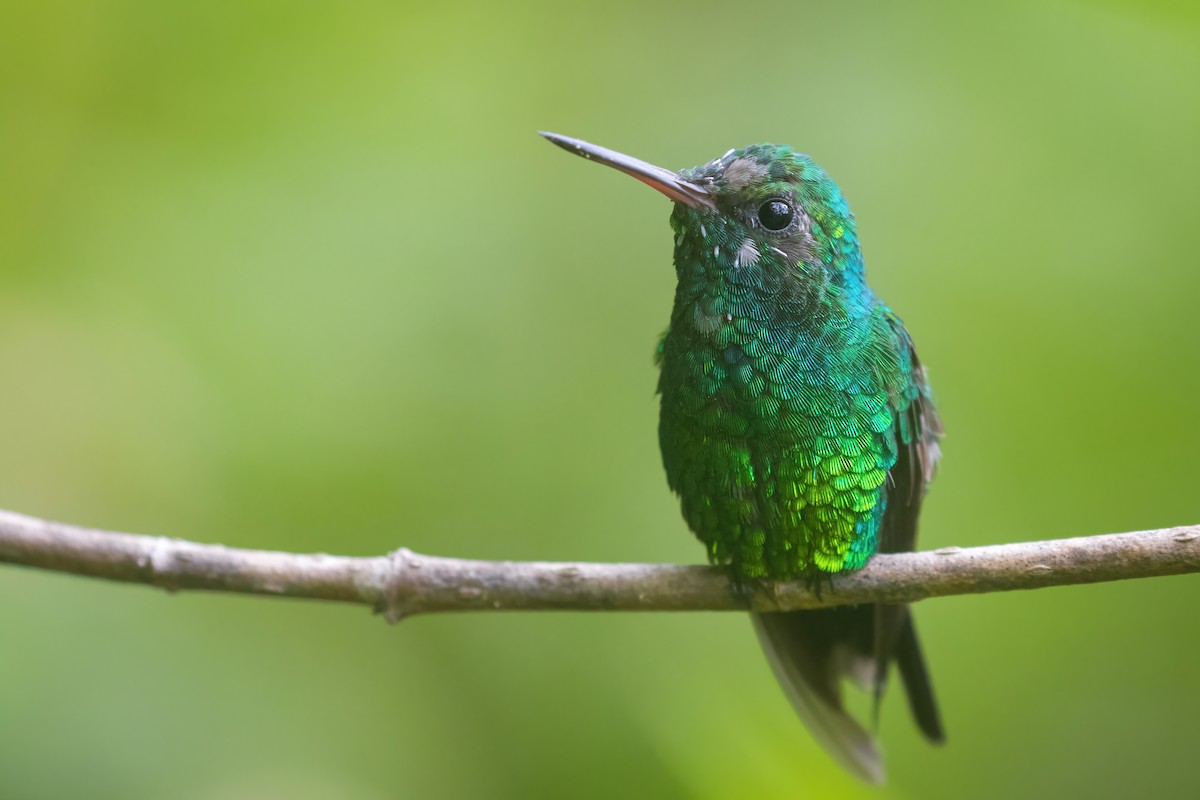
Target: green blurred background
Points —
{"points": [[300, 275]]}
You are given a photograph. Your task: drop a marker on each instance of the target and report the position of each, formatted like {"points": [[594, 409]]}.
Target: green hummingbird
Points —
{"points": [[797, 425]]}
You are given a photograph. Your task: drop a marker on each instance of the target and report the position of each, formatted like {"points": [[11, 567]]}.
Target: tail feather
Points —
{"points": [[917, 684], [811, 652], [809, 657]]}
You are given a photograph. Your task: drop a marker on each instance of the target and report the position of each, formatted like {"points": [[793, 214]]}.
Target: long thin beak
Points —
{"points": [[665, 181]]}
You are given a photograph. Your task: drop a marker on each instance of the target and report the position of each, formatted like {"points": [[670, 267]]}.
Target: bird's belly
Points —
{"points": [[780, 485]]}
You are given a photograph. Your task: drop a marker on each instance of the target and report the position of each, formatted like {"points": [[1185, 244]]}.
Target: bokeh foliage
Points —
{"points": [[301, 276]]}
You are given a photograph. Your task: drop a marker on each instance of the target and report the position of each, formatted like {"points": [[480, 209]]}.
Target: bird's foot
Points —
{"points": [[746, 589], [814, 582]]}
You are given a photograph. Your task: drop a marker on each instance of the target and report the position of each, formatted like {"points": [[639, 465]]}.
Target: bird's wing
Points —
{"points": [[918, 429]]}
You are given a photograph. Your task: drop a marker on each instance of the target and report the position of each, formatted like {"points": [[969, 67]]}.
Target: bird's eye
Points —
{"points": [[775, 215]]}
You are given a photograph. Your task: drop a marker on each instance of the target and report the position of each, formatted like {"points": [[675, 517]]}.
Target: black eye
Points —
{"points": [[775, 215]]}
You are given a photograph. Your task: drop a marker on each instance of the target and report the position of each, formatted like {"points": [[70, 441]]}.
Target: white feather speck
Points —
{"points": [[747, 254]]}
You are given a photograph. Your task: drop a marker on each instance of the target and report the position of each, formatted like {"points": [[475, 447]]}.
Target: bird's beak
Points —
{"points": [[665, 181]]}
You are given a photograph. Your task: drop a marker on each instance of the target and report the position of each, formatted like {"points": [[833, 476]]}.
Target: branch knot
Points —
{"points": [[397, 586]]}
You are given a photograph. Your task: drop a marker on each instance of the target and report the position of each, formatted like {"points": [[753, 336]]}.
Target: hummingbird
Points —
{"points": [[796, 424]]}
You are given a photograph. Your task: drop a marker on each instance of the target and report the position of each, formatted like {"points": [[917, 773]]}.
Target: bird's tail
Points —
{"points": [[812, 651]]}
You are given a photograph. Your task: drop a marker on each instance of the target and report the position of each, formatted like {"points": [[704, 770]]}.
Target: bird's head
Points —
{"points": [[764, 208]]}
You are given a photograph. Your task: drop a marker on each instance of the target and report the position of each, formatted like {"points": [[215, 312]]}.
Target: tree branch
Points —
{"points": [[404, 583]]}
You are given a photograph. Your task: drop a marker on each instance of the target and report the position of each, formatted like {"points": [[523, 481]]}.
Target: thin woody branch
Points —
{"points": [[405, 583]]}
